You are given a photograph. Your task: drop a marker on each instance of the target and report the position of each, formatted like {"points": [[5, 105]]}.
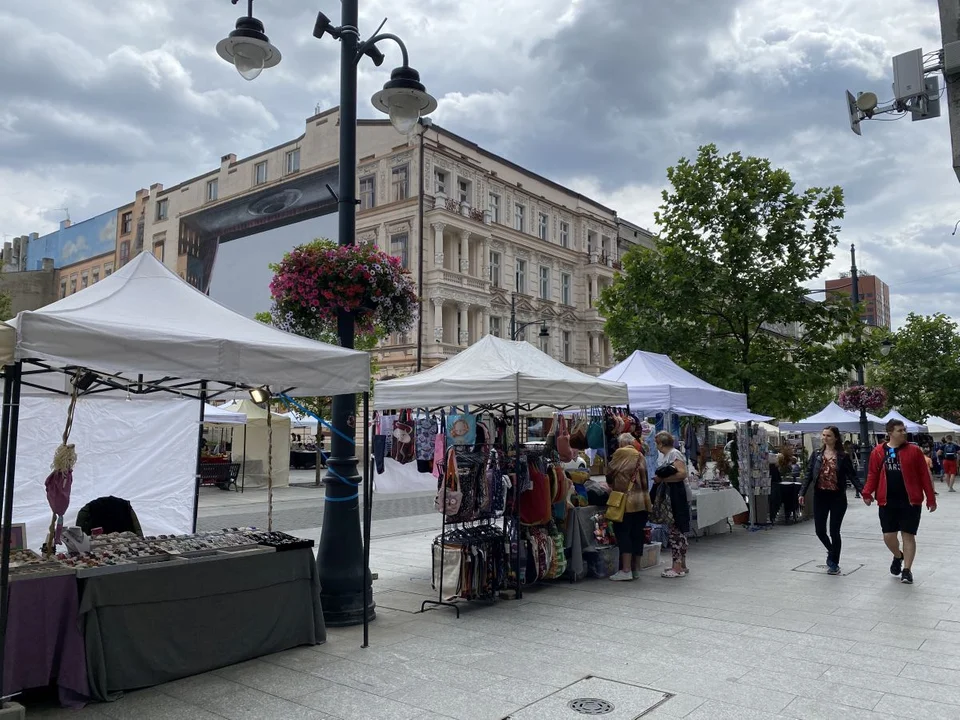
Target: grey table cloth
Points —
{"points": [[154, 625]]}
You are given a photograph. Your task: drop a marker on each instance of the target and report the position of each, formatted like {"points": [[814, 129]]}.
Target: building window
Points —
{"points": [[495, 276], [63, 288], [108, 270], [158, 250], [260, 173], [84, 279], [398, 183], [591, 242], [565, 234], [518, 217], [162, 209], [565, 342], [494, 207], [213, 189], [605, 250], [544, 282], [126, 223], [439, 181], [542, 227], [463, 191], [368, 192], [73, 283], [496, 329], [398, 247], [124, 252], [521, 276], [565, 288], [293, 161], [96, 274]]}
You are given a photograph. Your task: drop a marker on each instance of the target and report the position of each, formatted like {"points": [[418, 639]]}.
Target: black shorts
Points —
{"points": [[900, 519], [630, 532]]}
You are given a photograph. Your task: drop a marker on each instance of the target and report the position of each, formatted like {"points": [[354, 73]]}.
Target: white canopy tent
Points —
{"points": [[297, 421], [731, 427], [145, 332], [251, 441], [213, 415], [657, 384], [937, 425], [833, 414], [912, 427], [494, 371]]}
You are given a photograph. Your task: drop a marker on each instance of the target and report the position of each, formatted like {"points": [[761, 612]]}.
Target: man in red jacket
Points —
{"points": [[899, 478]]}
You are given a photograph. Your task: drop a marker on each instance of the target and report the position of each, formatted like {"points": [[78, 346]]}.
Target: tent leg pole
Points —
{"points": [[8, 454], [196, 489], [367, 518], [243, 467]]}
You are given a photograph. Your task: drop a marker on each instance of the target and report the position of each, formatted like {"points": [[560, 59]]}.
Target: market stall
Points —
{"points": [[216, 465], [252, 440], [912, 427], [844, 420], [939, 427], [142, 334], [485, 388]]}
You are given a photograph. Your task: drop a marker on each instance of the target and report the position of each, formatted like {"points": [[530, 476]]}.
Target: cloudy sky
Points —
{"points": [[102, 97]]}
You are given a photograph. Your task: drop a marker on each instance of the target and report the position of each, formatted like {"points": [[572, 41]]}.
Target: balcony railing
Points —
{"points": [[451, 205]]}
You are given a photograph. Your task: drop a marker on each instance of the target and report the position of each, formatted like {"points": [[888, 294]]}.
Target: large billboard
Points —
{"points": [[302, 197], [74, 243]]}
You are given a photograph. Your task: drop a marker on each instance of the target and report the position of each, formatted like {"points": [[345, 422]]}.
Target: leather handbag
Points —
{"points": [[595, 435], [403, 449], [578, 434], [617, 504], [564, 449], [449, 497]]}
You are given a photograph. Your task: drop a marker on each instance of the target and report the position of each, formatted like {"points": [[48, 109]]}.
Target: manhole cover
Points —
{"points": [[590, 706]]}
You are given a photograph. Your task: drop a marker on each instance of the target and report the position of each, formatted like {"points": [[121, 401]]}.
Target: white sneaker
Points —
{"points": [[621, 576]]}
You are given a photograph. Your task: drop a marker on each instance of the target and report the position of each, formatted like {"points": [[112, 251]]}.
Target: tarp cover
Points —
{"points": [[912, 427], [143, 451], [494, 371], [658, 384], [833, 414], [145, 319]]}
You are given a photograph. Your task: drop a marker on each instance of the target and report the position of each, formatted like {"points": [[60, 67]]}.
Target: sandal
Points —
{"points": [[671, 573]]}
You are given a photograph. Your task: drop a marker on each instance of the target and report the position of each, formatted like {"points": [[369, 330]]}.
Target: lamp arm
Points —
{"points": [[367, 44]]}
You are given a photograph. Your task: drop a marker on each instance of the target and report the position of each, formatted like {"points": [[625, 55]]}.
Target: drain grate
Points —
{"points": [[590, 706]]}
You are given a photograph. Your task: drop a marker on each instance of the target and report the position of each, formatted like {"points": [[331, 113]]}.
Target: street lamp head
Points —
{"points": [[248, 48], [544, 331], [404, 99], [886, 346], [260, 395]]}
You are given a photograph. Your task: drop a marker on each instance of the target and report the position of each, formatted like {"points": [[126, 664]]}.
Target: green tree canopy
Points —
{"points": [[725, 288], [921, 374], [6, 306]]}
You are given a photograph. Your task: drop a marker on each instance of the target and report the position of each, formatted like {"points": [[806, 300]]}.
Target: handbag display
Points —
{"points": [[449, 497], [461, 429], [403, 448], [578, 434], [564, 449], [595, 435]]}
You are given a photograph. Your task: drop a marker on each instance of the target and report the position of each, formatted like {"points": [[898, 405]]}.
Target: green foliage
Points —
{"points": [[6, 306], [922, 372], [737, 248]]}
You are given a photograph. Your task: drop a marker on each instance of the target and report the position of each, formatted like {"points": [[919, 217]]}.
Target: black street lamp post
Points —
{"points": [[516, 329], [344, 579], [864, 430]]}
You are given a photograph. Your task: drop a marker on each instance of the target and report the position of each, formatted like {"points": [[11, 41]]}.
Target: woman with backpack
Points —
{"points": [[949, 452]]}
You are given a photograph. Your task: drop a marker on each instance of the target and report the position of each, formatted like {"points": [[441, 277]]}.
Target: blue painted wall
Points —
{"points": [[80, 241]]}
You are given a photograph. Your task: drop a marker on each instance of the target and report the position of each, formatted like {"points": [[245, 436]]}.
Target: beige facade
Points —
{"points": [[483, 231], [74, 278]]}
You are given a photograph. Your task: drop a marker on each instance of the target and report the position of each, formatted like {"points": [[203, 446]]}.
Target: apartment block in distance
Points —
{"points": [[476, 230], [874, 297]]}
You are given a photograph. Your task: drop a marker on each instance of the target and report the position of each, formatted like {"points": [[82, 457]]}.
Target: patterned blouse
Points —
{"points": [[828, 474]]}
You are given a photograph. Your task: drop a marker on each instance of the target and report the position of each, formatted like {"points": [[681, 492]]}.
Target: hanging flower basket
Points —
{"points": [[314, 282], [861, 397]]}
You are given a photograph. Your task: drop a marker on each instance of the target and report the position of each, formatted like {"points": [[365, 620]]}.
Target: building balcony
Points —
{"points": [[452, 278], [461, 209]]}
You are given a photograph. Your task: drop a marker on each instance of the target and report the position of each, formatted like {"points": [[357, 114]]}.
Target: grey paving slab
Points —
{"points": [[617, 700]]}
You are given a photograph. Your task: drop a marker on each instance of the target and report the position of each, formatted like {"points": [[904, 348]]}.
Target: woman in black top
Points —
{"points": [[830, 468]]}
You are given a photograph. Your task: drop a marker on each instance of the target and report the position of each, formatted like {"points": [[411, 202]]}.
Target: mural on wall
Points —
{"points": [[78, 242]]}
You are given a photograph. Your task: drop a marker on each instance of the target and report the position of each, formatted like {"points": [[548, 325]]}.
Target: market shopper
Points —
{"points": [[676, 482], [949, 452], [899, 478], [831, 468], [627, 473]]}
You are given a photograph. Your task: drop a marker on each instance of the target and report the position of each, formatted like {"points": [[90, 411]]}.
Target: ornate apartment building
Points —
{"points": [[477, 231]]}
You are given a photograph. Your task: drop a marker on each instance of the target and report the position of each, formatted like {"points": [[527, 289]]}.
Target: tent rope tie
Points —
{"points": [[293, 404]]}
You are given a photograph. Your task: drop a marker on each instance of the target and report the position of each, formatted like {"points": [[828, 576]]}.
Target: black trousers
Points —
{"points": [[829, 507]]}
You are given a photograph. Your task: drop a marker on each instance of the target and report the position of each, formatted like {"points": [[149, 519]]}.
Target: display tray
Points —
{"points": [[148, 563], [100, 570], [244, 551], [36, 572]]}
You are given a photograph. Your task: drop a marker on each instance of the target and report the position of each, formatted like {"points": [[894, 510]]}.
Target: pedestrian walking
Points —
{"points": [[899, 478], [671, 476], [949, 452], [831, 468]]}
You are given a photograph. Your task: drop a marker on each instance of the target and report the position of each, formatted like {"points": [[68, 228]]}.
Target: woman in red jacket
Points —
{"points": [[899, 478]]}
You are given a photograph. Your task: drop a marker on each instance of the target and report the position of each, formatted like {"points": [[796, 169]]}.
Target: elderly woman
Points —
{"points": [[672, 471], [627, 473]]}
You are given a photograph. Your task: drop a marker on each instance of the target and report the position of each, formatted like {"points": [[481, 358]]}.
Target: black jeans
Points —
{"points": [[832, 505]]}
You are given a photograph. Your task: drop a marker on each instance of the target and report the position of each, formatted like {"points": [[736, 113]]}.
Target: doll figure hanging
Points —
{"points": [[59, 482]]}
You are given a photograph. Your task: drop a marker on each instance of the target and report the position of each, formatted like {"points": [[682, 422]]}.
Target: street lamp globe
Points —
{"points": [[248, 48], [404, 99], [885, 347]]}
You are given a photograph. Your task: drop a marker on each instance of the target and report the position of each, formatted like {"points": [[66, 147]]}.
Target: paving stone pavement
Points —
{"points": [[743, 637]]}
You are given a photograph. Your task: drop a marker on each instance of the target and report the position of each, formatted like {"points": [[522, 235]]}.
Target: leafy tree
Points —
{"points": [[921, 374], [6, 306], [736, 249]]}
